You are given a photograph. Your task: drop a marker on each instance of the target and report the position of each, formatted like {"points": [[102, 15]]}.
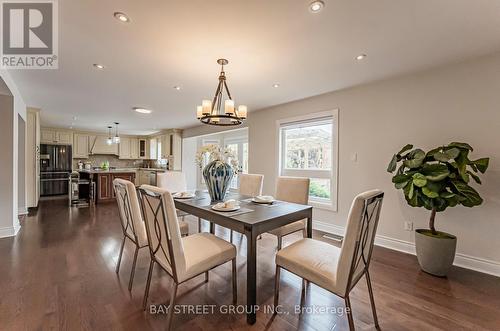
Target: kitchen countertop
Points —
{"points": [[110, 171], [119, 170]]}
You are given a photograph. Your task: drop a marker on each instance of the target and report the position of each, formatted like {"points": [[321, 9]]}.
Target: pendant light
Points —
{"points": [[109, 141], [116, 138]]}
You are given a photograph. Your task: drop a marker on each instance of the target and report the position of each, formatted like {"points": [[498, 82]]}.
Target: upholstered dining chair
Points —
{"points": [[131, 221], [295, 190], [251, 185], [175, 181], [335, 269], [181, 258]]}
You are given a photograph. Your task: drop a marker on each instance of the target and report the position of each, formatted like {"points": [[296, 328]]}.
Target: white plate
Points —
{"points": [[178, 196], [263, 202], [225, 209]]}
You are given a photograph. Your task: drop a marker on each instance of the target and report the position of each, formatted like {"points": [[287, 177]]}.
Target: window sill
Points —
{"points": [[323, 206]]}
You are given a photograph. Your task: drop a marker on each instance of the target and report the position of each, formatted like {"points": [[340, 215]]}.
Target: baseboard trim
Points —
{"points": [[461, 260], [9, 231]]}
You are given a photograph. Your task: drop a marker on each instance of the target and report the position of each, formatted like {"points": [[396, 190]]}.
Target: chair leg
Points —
{"points": [[120, 256], [171, 306], [349, 313], [235, 282], [199, 225], [231, 236], [132, 272], [148, 283], [276, 288], [372, 300], [280, 242], [206, 276]]}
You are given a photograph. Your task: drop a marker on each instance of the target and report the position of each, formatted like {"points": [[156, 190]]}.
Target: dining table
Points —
{"points": [[251, 219]]}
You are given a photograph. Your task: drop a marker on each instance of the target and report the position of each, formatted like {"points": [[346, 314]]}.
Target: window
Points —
{"points": [[240, 148], [308, 148]]}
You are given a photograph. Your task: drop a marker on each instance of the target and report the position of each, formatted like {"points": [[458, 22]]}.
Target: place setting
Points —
{"points": [[230, 207]]}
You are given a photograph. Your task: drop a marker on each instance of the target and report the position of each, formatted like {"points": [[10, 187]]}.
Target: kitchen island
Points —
{"points": [[102, 182]]}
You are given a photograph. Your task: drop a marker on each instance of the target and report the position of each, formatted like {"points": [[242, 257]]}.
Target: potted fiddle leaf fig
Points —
{"points": [[437, 180]]}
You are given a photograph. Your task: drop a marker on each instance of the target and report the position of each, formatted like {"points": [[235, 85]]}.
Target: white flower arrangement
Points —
{"points": [[212, 152]]}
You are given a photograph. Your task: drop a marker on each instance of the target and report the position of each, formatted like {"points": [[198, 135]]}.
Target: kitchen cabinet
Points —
{"points": [[99, 145], [153, 148], [129, 148], [143, 148], [124, 148], [80, 146], [165, 146], [105, 189], [134, 148], [51, 136]]}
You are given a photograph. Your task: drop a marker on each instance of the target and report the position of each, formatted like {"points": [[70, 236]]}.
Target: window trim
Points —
{"points": [[334, 174]]}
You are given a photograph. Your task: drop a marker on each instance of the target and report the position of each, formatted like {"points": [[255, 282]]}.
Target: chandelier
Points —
{"points": [[212, 112]]}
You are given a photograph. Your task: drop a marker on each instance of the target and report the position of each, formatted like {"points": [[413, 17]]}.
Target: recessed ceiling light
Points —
{"points": [[98, 66], [177, 87], [276, 85], [142, 110], [316, 6], [121, 17], [360, 57]]}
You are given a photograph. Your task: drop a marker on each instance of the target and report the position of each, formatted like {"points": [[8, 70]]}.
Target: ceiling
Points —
{"points": [[177, 43]]}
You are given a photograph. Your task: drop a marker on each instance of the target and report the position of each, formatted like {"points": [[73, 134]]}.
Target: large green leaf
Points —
{"points": [[482, 164], [475, 177], [405, 148], [447, 155], [419, 180], [392, 165], [429, 193], [470, 195], [435, 172], [461, 145], [415, 159]]}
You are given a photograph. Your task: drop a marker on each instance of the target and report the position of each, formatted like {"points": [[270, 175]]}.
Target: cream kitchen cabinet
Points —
{"points": [[143, 148], [80, 146], [129, 148], [124, 148], [51, 136], [165, 146], [134, 148]]}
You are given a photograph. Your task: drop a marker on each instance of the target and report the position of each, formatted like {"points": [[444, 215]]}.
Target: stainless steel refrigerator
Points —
{"points": [[55, 168]]}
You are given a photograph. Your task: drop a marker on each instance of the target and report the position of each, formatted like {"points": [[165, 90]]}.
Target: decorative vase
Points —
{"points": [[435, 253], [218, 175]]}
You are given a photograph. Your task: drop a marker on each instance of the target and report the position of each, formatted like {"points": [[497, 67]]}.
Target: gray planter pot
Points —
{"points": [[435, 253]]}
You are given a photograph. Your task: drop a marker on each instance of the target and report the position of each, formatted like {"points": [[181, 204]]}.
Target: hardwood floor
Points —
{"points": [[58, 273]]}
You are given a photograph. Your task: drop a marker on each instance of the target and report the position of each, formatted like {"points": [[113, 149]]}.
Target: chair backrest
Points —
{"points": [[162, 228], [251, 184], [172, 181], [129, 209], [359, 237], [293, 189]]}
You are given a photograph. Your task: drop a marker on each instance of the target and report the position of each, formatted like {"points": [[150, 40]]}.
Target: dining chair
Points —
{"points": [[181, 258], [251, 185], [175, 181], [335, 269], [295, 190], [131, 221]]}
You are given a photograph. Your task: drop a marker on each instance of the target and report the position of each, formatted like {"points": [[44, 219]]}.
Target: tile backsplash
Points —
{"points": [[114, 161]]}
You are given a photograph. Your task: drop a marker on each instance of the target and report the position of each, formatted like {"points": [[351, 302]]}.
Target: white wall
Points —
{"points": [[9, 223], [459, 102]]}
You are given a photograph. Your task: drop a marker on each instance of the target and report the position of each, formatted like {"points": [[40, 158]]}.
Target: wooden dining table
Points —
{"points": [[252, 219]]}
